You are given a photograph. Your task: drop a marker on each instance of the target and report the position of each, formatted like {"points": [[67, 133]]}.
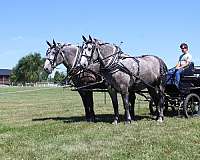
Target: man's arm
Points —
{"points": [[178, 65], [186, 64]]}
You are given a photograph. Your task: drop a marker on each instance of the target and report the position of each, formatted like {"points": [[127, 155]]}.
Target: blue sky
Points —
{"points": [[145, 26]]}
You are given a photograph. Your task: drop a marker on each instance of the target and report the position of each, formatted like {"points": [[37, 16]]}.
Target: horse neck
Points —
{"points": [[105, 53], [70, 55]]}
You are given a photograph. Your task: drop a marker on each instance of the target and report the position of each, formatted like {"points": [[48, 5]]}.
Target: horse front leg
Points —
{"points": [[113, 95], [132, 98], [125, 99], [161, 107], [87, 98]]}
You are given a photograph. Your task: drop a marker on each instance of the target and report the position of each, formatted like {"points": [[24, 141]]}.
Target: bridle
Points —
{"points": [[89, 57], [53, 61]]}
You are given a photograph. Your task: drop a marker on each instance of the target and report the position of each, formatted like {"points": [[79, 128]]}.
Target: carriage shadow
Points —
{"points": [[104, 118]]}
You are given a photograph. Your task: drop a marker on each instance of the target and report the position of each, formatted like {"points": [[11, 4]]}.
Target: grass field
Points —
{"points": [[48, 123]]}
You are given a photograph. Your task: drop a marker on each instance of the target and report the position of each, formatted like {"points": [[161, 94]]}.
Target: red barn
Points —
{"points": [[5, 76]]}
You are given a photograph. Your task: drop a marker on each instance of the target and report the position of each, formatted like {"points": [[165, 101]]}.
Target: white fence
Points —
{"points": [[38, 84]]}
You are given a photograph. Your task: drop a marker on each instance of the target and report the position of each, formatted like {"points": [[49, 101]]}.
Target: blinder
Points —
{"points": [[57, 52], [90, 57]]}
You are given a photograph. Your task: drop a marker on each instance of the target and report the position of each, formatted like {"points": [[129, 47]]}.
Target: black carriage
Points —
{"points": [[184, 99]]}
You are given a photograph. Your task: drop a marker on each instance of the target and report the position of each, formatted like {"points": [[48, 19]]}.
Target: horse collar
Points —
{"points": [[74, 69]]}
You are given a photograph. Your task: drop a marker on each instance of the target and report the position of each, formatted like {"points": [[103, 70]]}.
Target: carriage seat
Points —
{"points": [[188, 72], [194, 78], [188, 80], [197, 70], [191, 75]]}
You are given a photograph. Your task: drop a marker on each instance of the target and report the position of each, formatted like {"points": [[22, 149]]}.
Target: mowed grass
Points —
{"points": [[49, 123]]}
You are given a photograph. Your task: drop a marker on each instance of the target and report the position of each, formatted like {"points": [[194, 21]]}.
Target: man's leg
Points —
{"points": [[178, 76]]}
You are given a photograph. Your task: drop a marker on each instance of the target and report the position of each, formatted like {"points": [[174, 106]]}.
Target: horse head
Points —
{"points": [[90, 53], [95, 51], [54, 56]]}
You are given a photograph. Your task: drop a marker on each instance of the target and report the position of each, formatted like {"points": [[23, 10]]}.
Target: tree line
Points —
{"points": [[29, 69]]}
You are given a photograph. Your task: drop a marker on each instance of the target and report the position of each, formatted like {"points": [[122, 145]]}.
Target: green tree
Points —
{"points": [[28, 69], [59, 77]]}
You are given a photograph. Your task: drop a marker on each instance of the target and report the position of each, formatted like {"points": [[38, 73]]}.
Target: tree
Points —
{"points": [[43, 74], [59, 77], [28, 69]]}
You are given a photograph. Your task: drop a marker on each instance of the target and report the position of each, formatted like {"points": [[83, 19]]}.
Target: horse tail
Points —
{"points": [[163, 72]]}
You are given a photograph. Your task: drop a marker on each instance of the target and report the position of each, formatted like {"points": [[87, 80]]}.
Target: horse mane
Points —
{"points": [[142, 56]]}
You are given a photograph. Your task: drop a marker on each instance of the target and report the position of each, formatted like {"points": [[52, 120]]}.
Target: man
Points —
{"points": [[184, 61]]}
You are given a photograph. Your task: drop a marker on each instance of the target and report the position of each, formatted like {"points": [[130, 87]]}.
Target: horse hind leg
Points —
{"points": [[154, 96], [158, 98], [161, 103]]}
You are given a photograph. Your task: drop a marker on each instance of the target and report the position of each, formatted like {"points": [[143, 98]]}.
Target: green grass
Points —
{"points": [[49, 124]]}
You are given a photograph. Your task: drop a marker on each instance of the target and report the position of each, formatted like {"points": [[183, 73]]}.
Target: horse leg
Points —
{"points": [[132, 98], [87, 98], [161, 103], [158, 98], [113, 95], [155, 98], [125, 99]]}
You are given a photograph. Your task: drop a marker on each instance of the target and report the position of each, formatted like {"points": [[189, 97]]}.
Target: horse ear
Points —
{"points": [[84, 38], [54, 43], [90, 38], [48, 43]]}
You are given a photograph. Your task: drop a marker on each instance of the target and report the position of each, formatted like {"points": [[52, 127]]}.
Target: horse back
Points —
{"points": [[152, 67]]}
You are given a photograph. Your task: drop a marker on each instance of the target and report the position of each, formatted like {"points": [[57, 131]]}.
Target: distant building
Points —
{"points": [[5, 76]]}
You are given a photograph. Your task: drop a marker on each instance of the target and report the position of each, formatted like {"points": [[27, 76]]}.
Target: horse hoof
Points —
{"points": [[90, 120], [160, 120], [128, 122], [115, 122]]}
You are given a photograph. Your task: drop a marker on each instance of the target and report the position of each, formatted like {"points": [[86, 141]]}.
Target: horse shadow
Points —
{"points": [[104, 118]]}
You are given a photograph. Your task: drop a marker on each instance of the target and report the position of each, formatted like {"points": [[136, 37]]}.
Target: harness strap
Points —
{"points": [[75, 59], [136, 76], [136, 60], [111, 65], [75, 70]]}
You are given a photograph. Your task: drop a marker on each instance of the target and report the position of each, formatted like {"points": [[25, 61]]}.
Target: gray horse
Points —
{"points": [[69, 55], [128, 75]]}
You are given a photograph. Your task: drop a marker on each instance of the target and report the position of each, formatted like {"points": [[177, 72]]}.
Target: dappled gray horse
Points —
{"points": [[128, 75], [69, 55]]}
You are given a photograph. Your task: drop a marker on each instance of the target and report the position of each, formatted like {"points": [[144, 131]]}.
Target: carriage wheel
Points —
{"points": [[152, 107], [191, 105]]}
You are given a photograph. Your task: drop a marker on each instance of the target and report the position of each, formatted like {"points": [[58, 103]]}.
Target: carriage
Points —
{"points": [[184, 99]]}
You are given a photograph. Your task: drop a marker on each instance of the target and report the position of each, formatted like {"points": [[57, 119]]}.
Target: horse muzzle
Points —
{"points": [[49, 71]]}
